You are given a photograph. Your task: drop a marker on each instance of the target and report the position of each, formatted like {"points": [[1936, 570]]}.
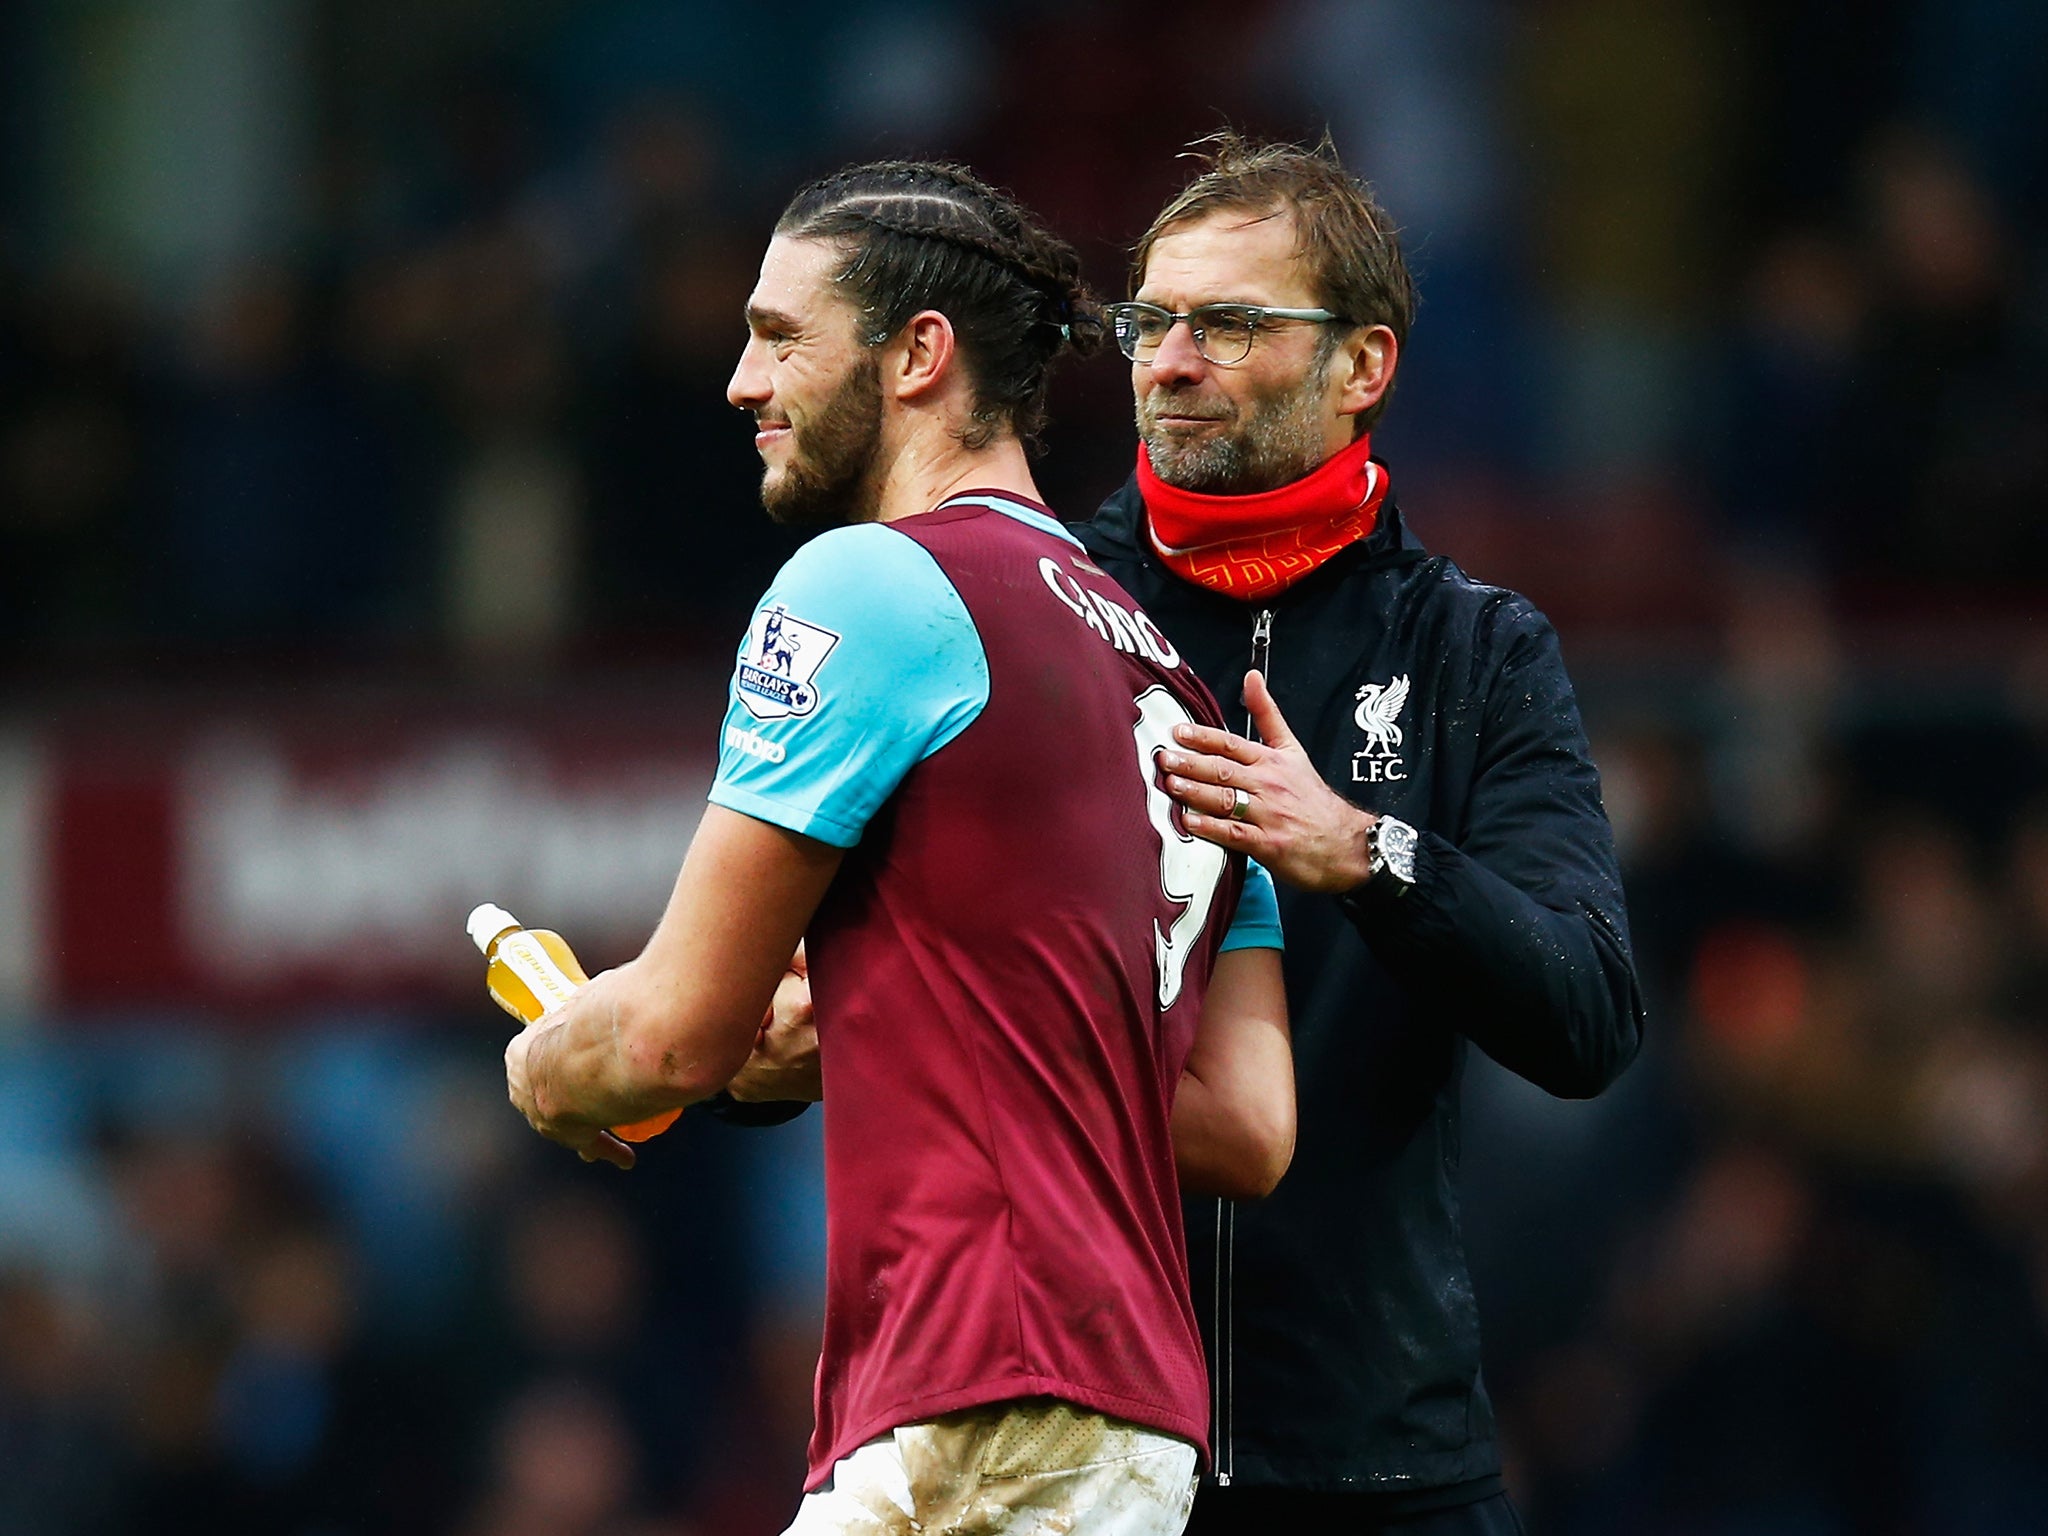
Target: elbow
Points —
{"points": [[1572, 1042], [1266, 1164], [679, 1059], [1590, 1071], [1270, 1146], [1577, 1082], [1255, 1157], [1609, 1036], [1247, 1179]]}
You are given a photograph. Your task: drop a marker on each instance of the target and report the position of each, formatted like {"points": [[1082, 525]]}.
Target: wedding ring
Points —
{"points": [[1241, 805]]}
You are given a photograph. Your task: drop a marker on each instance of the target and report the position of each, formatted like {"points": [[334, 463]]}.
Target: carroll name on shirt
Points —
{"points": [[1121, 627]]}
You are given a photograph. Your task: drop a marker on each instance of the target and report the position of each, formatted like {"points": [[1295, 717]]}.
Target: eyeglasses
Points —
{"points": [[1223, 333]]}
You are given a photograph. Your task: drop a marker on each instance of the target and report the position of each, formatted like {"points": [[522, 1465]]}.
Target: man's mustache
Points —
{"points": [[1185, 409]]}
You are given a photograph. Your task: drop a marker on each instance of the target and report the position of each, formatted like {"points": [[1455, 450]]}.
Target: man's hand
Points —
{"points": [[1303, 831], [671, 1026], [592, 1143], [784, 1066]]}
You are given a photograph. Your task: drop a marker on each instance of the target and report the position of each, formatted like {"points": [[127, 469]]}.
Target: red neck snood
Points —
{"points": [[1255, 546]]}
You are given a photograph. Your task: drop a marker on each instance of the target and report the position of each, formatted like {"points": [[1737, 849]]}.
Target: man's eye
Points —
{"points": [[1227, 322], [1151, 327]]}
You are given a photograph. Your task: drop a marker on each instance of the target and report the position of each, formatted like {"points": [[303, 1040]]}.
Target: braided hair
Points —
{"points": [[926, 235]]}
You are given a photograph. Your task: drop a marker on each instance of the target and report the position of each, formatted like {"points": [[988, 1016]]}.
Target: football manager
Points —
{"points": [[1415, 775]]}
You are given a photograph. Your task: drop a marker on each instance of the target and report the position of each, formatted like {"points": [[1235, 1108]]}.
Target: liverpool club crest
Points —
{"points": [[1379, 716]]}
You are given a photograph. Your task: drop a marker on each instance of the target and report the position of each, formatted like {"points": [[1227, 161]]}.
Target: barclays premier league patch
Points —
{"points": [[781, 658]]}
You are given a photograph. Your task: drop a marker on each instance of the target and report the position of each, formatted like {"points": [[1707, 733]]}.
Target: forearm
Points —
{"points": [[1234, 1110], [609, 1056], [1202, 1150], [1550, 994], [1217, 1150], [783, 1069], [676, 1024]]}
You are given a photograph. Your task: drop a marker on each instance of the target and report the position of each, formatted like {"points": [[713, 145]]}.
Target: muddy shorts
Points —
{"points": [[1031, 1467]]}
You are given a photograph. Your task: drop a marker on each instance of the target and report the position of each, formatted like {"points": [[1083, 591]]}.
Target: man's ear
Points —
{"points": [[921, 358], [1366, 362]]}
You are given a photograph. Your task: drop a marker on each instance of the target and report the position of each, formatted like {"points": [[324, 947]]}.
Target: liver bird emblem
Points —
{"points": [[1378, 705]]}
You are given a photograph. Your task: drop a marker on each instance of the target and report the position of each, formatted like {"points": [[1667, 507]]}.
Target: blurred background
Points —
{"points": [[374, 536]]}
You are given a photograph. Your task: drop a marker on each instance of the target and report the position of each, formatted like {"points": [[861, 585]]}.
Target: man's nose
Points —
{"points": [[748, 386], [1177, 361]]}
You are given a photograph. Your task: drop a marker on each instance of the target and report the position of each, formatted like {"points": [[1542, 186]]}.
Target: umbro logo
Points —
{"points": [[1378, 714]]}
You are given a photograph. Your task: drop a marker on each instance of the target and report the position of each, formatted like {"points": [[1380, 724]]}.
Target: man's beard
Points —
{"points": [[825, 480], [1279, 441]]}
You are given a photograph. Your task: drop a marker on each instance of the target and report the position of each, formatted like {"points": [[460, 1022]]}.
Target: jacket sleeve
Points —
{"points": [[723, 1106], [1517, 934]]}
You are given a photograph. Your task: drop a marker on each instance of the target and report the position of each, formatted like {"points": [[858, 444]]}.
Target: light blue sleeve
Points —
{"points": [[1257, 923], [861, 662]]}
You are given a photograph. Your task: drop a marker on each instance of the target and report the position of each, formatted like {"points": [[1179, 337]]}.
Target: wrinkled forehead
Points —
{"points": [[796, 281], [1240, 255]]}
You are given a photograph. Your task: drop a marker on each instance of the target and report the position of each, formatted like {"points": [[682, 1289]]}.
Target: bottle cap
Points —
{"points": [[487, 922]]}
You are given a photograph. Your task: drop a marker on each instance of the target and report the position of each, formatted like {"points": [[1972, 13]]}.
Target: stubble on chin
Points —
{"points": [[1273, 440], [828, 477], [1211, 461]]}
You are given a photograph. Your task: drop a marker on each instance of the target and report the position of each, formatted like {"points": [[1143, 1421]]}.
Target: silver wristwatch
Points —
{"points": [[1390, 852]]}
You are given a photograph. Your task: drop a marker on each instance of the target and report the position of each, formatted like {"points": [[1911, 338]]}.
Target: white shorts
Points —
{"points": [[1030, 1467]]}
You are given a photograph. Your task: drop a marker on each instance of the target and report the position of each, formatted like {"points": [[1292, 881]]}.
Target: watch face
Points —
{"points": [[1396, 843]]}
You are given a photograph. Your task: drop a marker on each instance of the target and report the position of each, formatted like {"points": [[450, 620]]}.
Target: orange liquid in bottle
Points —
{"points": [[533, 970]]}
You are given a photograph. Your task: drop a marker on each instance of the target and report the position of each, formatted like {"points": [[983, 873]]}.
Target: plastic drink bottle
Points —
{"points": [[533, 970]]}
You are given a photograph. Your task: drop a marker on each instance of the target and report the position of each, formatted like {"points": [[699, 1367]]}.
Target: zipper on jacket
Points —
{"points": [[1262, 656], [1221, 1388], [1223, 1369]]}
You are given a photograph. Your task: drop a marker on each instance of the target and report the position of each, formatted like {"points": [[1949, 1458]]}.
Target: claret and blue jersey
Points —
{"points": [[818, 752], [1008, 968]]}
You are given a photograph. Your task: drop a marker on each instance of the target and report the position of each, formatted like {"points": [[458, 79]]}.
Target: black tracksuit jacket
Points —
{"points": [[1338, 1312]]}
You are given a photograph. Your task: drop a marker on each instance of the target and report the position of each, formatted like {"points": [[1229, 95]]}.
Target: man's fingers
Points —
{"points": [[1258, 699], [792, 1001], [1205, 799], [1272, 726], [607, 1148], [1206, 768], [1205, 738], [1241, 836]]}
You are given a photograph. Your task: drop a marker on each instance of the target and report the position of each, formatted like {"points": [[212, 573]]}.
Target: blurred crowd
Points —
{"points": [[1792, 1274], [329, 1284], [1759, 278], [1733, 354]]}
